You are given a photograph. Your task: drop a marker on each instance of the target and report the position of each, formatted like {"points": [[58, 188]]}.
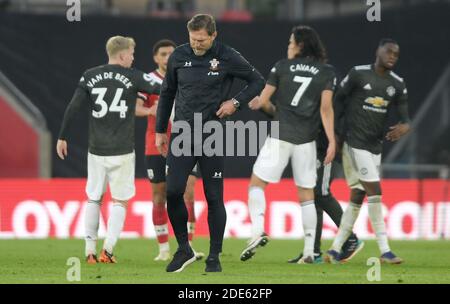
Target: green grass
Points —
{"points": [[44, 261]]}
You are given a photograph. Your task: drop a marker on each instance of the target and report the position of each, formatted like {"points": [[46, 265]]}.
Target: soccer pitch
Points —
{"points": [[45, 261]]}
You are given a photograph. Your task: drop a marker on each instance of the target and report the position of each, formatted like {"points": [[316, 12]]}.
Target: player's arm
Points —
{"points": [[141, 109], [263, 102], [242, 69], [403, 127], [75, 105], [340, 103], [327, 115], [165, 105]]}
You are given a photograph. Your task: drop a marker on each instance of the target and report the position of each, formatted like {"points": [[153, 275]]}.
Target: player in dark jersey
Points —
{"points": [[363, 100], [156, 163], [110, 92], [304, 86]]}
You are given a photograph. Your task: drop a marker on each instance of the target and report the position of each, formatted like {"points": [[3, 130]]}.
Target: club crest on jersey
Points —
{"points": [[390, 91], [214, 64]]}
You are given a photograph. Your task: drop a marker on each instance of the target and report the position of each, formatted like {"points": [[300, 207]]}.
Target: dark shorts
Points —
{"points": [[156, 169]]}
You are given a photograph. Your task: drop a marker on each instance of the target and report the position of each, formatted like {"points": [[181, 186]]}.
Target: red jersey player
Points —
{"points": [[156, 163]]}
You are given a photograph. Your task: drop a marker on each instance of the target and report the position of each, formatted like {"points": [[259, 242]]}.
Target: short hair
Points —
{"points": [[162, 43], [116, 44], [312, 45], [202, 21], [384, 41]]}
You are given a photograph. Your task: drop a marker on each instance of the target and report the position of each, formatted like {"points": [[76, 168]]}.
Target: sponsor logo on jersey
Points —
{"points": [[214, 64], [364, 171], [390, 91], [367, 87], [376, 104], [188, 64], [217, 175]]}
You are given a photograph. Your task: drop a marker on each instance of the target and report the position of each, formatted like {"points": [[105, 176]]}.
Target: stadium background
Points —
{"points": [[42, 56]]}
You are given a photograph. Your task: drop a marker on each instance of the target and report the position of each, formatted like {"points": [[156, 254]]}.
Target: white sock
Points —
{"points": [[164, 247], [377, 220], [91, 226], [346, 226], [115, 226], [309, 218], [257, 209]]}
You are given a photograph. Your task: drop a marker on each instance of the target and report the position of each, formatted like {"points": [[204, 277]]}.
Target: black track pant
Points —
{"points": [[178, 170]]}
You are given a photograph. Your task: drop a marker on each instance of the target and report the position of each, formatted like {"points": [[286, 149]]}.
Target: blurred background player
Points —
{"points": [[304, 86], [362, 102], [156, 163], [110, 92]]}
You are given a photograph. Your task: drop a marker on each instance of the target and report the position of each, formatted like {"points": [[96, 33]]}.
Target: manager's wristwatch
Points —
{"points": [[236, 103]]}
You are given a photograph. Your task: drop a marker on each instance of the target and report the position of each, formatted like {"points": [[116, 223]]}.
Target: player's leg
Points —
{"points": [[178, 169], [156, 171], [212, 173], [352, 211], [269, 166], [120, 173], [189, 199], [304, 169], [325, 200], [95, 188], [321, 180], [370, 179]]}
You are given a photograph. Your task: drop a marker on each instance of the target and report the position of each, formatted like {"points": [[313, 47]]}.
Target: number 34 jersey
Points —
{"points": [[299, 85], [110, 92]]}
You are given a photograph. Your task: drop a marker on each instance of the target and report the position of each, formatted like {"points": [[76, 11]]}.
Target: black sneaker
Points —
{"points": [[213, 264], [180, 260], [350, 248]]}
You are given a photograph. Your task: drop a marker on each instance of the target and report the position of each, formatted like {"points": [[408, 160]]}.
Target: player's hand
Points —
{"points": [[331, 152], [226, 109], [255, 103], [61, 148], [162, 143], [397, 131]]}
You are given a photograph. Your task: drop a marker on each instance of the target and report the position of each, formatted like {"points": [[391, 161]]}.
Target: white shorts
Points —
{"points": [[274, 157], [117, 170], [360, 165]]}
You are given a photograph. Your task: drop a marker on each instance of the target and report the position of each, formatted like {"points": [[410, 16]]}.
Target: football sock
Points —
{"points": [[309, 218], [346, 227], [377, 220], [91, 226], [115, 226], [257, 209], [160, 220], [191, 220]]}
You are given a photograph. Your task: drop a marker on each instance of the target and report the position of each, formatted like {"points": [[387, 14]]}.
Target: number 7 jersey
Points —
{"points": [[299, 83], [110, 92]]}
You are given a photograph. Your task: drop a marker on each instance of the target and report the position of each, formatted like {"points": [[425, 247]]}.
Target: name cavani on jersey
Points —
{"points": [[304, 68]]}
